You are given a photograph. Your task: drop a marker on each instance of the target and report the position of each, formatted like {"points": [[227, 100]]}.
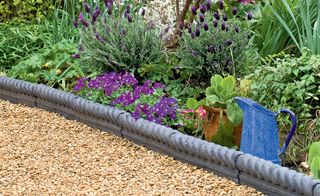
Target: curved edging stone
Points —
{"points": [[242, 168]]}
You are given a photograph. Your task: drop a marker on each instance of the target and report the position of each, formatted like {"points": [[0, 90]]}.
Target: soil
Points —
{"points": [[42, 153]]}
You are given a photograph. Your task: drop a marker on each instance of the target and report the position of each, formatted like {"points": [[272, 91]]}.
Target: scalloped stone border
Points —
{"points": [[242, 168]]}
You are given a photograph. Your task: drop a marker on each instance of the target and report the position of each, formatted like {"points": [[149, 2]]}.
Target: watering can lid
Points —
{"points": [[256, 106]]}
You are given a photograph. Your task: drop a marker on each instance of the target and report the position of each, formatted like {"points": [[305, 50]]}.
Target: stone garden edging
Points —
{"points": [[242, 168]]}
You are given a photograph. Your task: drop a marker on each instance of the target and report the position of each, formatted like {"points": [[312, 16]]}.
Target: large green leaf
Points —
{"points": [[314, 151], [234, 114], [229, 84], [192, 103], [315, 167], [224, 135]]}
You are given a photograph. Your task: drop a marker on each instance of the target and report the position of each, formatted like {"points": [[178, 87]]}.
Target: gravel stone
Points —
{"points": [[42, 153]]}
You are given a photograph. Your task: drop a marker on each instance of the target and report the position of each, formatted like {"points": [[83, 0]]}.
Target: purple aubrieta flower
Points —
{"points": [[194, 10], [205, 26], [201, 17], [81, 83], [159, 85], [83, 21]]}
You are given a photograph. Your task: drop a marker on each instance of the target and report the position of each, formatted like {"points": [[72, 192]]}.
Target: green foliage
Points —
{"points": [[314, 159], [53, 66], [192, 118], [304, 23], [224, 135], [285, 24], [25, 9], [217, 51], [123, 45], [20, 41], [221, 93], [289, 82], [292, 83]]}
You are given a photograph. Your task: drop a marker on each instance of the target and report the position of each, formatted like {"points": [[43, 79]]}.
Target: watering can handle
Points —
{"points": [[292, 130]]}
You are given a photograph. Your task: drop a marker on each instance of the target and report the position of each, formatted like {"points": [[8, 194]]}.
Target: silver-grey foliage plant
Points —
{"points": [[117, 38]]}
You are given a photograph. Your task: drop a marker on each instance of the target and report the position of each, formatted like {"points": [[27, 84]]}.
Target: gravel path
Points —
{"points": [[42, 153]]}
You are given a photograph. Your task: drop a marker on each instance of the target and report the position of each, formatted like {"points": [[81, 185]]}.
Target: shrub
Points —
{"points": [[53, 66], [293, 83], [118, 43], [122, 90], [216, 44], [24, 10]]}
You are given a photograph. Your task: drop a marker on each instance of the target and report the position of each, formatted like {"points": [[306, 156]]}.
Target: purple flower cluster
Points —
{"points": [[166, 107], [111, 83]]}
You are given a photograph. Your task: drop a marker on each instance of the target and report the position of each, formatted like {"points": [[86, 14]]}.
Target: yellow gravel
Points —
{"points": [[43, 153]]}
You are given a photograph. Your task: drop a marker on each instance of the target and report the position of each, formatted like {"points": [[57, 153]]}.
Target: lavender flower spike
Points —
{"points": [[95, 15], [86, 7], [221, 4], [201, 17], [143, 12], [205, 26], [197, 32], [194, 10], [234, 11], [249, 16], [76, 56], [83, 21], [216, 15], [202, 9], [129, 18]]}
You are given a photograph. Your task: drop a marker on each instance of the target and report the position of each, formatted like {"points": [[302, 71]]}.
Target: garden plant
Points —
{"points": [[170, 68]]}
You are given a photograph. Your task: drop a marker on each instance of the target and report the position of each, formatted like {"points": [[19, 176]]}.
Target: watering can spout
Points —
{"points": [[243, 102]]}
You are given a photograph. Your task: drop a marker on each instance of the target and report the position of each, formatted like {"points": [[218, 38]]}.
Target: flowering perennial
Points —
{"points": [[123, 91]]}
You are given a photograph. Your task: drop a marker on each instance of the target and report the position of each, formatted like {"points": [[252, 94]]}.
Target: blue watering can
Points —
{"points": [[260, 131]]}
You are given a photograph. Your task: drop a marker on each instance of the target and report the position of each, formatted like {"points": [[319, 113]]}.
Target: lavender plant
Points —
{"points": [[122, 90], [217, 44], [118, 39]]}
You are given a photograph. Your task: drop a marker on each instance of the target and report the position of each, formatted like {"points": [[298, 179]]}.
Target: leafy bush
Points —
{"points": [[216, 45], [20, 41], [24, 10], [292, 83], [53, 66], [119, 44], [285, 24], [122, 90]]}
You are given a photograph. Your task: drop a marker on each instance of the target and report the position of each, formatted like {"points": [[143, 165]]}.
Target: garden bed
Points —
{"points": [[42, 152], [237, 166]]}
